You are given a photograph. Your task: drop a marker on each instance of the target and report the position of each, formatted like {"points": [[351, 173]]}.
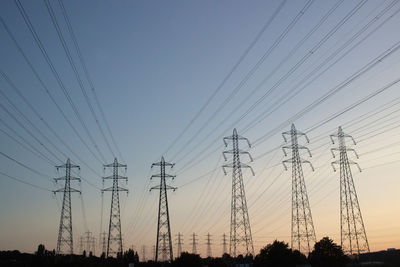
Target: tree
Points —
{"points": [[131, 256], [41, 250], [103, 256], [279, 254], [188, 259], [326, 253]]}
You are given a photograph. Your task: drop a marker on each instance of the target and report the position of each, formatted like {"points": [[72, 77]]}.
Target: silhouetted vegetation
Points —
{"points": [[326, 253], [279, 254], [187, 259]]}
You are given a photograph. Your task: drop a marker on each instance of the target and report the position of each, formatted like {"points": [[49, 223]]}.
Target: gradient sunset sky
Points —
{"points": [[154, 65]]}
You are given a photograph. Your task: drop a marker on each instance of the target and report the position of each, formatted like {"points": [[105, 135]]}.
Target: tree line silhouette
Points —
{"points": [[325, 254]]}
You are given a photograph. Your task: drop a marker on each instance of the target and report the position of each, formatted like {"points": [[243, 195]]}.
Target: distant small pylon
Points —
{"points": [[194, 244], [103, 242], [144, 253], [224, 244], [179, 245], [209, 252], [81, 245], [89, 242]]}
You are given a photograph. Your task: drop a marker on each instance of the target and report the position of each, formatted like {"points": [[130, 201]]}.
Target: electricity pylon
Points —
{"points": [[81, 245], [353, 237], [163, 226], [144, 253], [93, 245], [65, 241], [241, 240], [302, 233], [114, 241], [103, 238], [209, 253], [194, 244], [89, 241], [179, 244], [224, 244]]}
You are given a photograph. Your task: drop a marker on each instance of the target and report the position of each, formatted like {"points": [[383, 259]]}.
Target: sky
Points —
{"points": [[172, 79]]}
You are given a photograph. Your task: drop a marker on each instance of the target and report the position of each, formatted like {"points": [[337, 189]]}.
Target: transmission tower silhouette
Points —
{"points": [[224, 244], [353, 237], [163, 226], [103, 238], [65, 240], [302, 233], [89, 242], [194, 244], [179, 244], [81, 245], [241, 241], [209, 252], [144, 253], [114, 241]]}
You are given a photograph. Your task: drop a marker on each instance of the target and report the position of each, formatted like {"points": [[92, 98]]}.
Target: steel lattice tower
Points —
{"points": [[194, 244], [209, 253], [241, 240], [163, 226], [353, 237], [103, 238], [302, 233], [65, 240], [224, 244], [144, 253], [81, 245], [179, 244], [114, 241], [89, 242]]}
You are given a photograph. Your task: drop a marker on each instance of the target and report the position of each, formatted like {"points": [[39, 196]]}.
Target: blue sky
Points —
{"points": [[154, 64]]}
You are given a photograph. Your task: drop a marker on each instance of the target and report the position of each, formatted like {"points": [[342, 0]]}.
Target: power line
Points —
{"points": [[23, 182], [40, 117], [303, 84], [56, 74], [36, 74], [24, 165], [35, 138], [230, 73], [28, 146], [29, 132], [326, 36], [250, 73], [85, 69], [77, 76], [377, 60], [293, 69]]}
